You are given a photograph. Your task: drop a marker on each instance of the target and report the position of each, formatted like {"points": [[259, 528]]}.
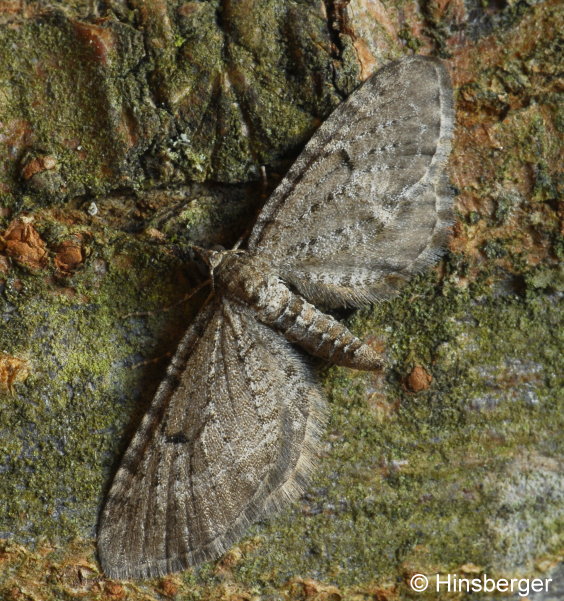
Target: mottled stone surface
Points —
{"points": [[126, 109]]}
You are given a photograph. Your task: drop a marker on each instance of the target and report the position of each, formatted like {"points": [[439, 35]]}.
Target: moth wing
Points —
{"points": [[366, 204], [231, 433]]}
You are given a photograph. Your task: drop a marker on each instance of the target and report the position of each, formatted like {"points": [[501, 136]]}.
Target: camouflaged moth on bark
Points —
{"points": [[233, 429]]}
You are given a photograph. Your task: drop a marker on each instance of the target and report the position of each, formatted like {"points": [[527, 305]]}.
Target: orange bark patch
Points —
{"points": [[127, 128], [100, 39], [15, 135], [69, 256], [114, 590], [169, 586], [506, 158], [11, 7], [418, 379], [365, 58], [38, 164], [12, 370], [24, 244], [307, 588], [4, 265], [189, 8]]}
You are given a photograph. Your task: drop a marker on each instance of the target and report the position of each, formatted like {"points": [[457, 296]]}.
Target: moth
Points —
{"points": [[233, 430]]}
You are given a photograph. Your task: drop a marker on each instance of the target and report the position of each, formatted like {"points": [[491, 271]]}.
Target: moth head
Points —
{"points": [[212, 257]]}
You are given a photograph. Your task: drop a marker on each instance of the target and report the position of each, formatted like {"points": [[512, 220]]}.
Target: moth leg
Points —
{"points": [[185, 298], [264, 193]]}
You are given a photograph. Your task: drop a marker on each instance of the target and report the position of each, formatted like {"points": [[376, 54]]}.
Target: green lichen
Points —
{"points": [[238, 96], [409, 39], [82, 348], [212, 94], [69, 103]]}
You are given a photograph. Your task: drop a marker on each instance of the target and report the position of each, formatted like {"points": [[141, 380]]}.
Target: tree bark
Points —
{"points": [[130, 130]]}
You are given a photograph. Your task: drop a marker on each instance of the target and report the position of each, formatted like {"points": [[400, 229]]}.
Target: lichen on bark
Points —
{"points": [[128, 134]]}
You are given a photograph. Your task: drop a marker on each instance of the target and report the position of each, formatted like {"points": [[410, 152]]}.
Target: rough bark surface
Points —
{"points": [[129, 130]]}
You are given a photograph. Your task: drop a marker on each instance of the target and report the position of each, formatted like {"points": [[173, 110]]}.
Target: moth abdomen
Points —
{"points": [[316, 332]]}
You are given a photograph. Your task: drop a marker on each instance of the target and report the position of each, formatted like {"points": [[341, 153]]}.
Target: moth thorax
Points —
{"points": [[241, 276]]}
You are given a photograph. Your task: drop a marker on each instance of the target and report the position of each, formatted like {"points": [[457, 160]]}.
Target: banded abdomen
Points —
{"points": [[316, 332]]}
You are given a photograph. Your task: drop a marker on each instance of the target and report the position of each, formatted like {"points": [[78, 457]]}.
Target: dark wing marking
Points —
{"points": [[231, 433], [366, 204]]}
